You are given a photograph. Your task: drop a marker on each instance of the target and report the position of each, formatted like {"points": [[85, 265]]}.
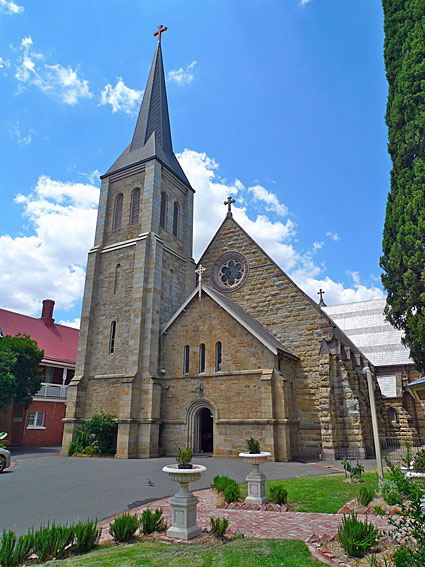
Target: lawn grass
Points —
{"points": [[322, 493], [237, 553]]}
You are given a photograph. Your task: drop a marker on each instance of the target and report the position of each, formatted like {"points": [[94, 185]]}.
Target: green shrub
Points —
{"points": [[79, 443], [219, 526], [220, 482], [104, 428], [184, 456], [278, 494], [124, 527], [366, 495], [42, 543], [419, 460], [13, 550], [232, 492], [404, 556], [152, 521], [390, 493], [357, 537], [61, 537], [253, 445], [90, 451], [87, 535]]}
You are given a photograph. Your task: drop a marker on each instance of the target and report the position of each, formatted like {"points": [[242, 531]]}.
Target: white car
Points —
{"points": [[4, 459]]}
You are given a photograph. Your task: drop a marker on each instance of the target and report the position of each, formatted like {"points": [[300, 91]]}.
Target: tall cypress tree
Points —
{"points": [[403, 259]]}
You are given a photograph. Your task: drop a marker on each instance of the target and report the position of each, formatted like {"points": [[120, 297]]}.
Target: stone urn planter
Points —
{"points": [[183, 504], [256, 479]]}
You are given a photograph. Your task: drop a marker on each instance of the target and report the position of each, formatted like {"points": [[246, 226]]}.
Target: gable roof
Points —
{"points": [[338, 332], [239, 314], [152, 135], [365, 324], [58, 342]]}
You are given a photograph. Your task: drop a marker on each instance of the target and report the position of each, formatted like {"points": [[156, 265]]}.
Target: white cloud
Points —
{"points": [[182, 76], [260, 193], [304, 2], [75, 323], [21, 138], [333, 235], [50, 261], [10, 8], [121, 97], [4, 63], [61, 83]]}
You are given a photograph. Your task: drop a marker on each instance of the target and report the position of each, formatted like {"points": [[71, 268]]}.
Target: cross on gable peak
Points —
{"points": [[161, 30], [321, 292], [229, 202]]}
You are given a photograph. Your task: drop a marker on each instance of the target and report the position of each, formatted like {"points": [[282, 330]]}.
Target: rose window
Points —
{"points": [[231, 273]]}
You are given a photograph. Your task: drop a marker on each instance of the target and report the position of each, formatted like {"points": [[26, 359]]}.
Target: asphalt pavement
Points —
{"points": [[45, 487]]}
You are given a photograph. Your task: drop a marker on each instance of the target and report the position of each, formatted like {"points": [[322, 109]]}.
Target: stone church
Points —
{"points": [[205, 358]]}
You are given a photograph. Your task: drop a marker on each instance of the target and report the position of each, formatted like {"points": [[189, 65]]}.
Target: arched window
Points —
{"points": [[117, 278], [116, 222], [392, 416], [135, 206], [202, 357], [186, 360], [163, 211], [176, 218], [218, 357], [112, 337]]}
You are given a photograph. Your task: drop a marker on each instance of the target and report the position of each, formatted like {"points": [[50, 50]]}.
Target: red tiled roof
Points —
{"points": [[58, 342]]}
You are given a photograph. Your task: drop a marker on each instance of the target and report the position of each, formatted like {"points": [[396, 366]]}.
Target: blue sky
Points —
{"points": [[279, 102]]}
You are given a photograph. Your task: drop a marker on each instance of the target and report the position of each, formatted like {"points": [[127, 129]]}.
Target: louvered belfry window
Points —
{"points": [[116, 222], [163, 212], [135, 206], [112, 337]]}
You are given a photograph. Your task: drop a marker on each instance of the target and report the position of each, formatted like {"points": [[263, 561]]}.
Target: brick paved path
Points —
{"points": [[255, 523]]}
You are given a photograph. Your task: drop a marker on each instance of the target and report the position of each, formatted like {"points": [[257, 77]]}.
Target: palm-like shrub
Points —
{"points": [[357, 536]]}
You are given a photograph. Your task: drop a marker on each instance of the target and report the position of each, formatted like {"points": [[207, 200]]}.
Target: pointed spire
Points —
{"points": [[152, 135]]}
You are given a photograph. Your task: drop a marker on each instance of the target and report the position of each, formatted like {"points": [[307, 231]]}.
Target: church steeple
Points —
{"points": [[152, 135]]}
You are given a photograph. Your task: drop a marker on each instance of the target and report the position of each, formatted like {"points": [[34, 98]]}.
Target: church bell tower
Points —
{"points": [[139, 271]]}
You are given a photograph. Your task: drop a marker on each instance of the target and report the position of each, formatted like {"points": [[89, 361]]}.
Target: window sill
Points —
{"points": [[36, 427]]}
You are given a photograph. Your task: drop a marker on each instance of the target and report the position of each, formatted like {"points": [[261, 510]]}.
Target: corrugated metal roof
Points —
{"points": [[364, 323], [58, 342]]}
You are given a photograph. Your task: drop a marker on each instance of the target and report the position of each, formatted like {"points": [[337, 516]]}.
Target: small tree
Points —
{"points": [[20, 375]]}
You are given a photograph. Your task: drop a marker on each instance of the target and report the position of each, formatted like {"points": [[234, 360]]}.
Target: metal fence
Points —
{"points": [[396, 448], [49, 390]]}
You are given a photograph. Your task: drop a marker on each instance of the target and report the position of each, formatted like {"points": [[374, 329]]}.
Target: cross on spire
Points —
{"points": [[321, 292], [229, 202], [161, 30]]}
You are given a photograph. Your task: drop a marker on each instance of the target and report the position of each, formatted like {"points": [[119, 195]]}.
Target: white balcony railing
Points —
{"points": [[47, 390]]}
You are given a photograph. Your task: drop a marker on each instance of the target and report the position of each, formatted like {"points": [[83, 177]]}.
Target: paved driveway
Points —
{"points": [[42, 486]]}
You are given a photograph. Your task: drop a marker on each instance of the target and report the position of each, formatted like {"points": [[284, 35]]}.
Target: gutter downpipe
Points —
{"points": [[371, 388]]}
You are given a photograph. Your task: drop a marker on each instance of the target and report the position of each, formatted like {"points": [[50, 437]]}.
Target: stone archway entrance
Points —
{"points": [[206, 433], [201, 428]]}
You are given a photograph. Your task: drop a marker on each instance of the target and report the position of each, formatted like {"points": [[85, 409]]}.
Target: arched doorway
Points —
{"points": [[206, 434], [200, 426]]}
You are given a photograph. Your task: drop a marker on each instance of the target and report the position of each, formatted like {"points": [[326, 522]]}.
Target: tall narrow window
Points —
{"points": [[218, 357], [163, 211], [112, 337], [135, 206], [202, 357], [117, 278], [116, 221], [186, 360], [176, 218]]}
